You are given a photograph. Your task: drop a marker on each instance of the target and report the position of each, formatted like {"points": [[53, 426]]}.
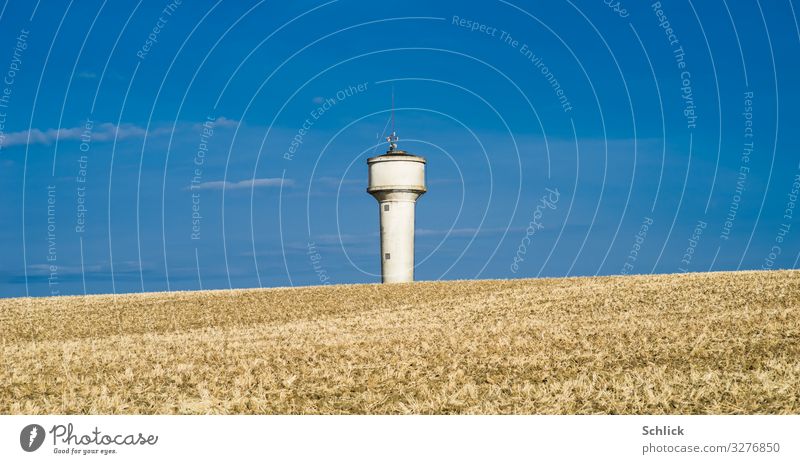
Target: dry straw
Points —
{"points": [[724, 343]]}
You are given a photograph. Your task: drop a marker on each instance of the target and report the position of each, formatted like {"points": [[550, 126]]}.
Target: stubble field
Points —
{"points": [[670, 344]]}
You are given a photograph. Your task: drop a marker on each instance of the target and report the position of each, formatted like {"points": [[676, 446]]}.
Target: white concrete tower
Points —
{"points": [[396, 180]]}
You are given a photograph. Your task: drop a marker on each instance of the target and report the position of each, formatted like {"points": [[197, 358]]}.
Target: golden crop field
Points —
{"points": [[667, 344]]}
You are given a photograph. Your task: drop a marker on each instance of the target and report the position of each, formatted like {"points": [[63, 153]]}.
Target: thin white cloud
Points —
{"points": [[463, 232], [222, 121], [336, 181], [86, 75], [329, 239], [102, 132], [352, 239], [242, 184], [99, 133]]}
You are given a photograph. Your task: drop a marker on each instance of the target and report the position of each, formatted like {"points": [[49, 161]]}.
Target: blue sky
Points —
{"points": [[660, 136]]}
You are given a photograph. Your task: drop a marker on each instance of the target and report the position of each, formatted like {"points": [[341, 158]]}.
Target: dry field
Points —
{"points": [[670, 344]]}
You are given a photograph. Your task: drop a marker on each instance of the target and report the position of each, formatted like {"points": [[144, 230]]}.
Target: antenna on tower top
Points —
{"points": [[392, 139], [392, 108]]}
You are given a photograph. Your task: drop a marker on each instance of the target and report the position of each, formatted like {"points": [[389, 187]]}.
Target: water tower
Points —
{"points": [[396, 180]]}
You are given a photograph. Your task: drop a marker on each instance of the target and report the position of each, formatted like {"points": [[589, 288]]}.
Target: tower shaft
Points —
{"points": [[397, 238]]}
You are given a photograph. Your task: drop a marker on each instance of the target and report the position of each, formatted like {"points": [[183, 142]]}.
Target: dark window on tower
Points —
{"points": [[386, 256], [386, 207]]}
